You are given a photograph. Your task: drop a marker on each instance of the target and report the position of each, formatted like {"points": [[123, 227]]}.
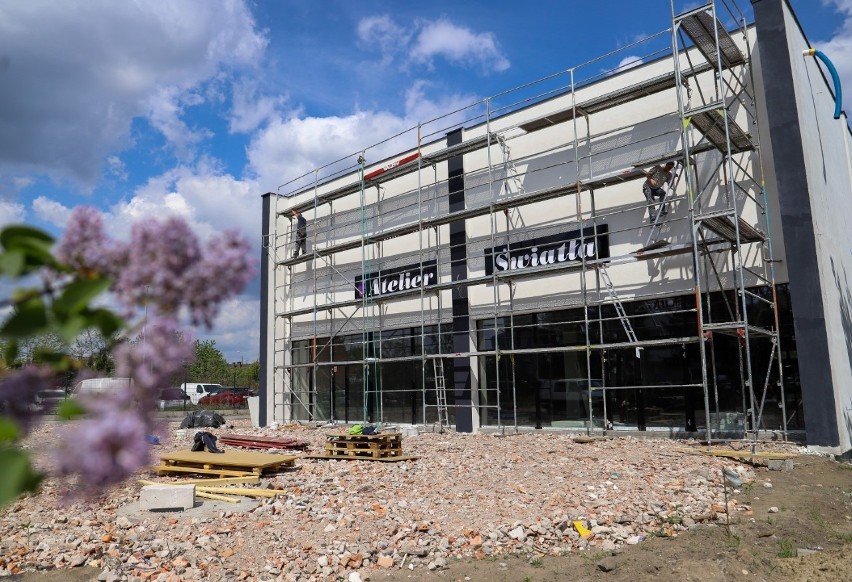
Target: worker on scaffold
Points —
{"points": [[301, 233], [655, 187]]}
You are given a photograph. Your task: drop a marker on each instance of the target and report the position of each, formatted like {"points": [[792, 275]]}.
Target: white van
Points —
{"points": [[100, 386], [198, 390]]}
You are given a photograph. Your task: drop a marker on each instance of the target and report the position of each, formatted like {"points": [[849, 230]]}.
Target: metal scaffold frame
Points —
{"points": [[722, 169]]}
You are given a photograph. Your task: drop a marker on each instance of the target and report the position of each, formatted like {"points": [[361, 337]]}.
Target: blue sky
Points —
{"points": [[197, 107]]}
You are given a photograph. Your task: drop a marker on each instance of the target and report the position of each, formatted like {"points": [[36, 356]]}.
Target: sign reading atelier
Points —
{"points": [[548, 250], [395, 280]]}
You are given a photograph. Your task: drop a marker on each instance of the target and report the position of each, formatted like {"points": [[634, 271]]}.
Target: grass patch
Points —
{"points": [[734, 540], [845, 537], [786, 549]]}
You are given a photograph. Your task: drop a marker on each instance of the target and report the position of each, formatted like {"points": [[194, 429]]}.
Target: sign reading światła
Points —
{"points": [[397, 279], [548, 250]]}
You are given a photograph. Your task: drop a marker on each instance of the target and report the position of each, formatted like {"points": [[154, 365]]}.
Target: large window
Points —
{"points": [[658, 386]]}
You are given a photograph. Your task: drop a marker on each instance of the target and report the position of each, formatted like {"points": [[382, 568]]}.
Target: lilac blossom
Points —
{"points": [[162, 269], [18, 392], [84, 246], [224, 271], [161, 255], [106, 447], [153, 361]]}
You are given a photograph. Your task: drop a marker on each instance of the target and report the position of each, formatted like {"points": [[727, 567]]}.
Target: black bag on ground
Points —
{"points": [[205, 439], [202, 418]]}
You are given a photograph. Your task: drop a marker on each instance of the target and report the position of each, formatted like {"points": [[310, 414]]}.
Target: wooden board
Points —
{"points": [[260, 442], [347, 458], [227, 464]]}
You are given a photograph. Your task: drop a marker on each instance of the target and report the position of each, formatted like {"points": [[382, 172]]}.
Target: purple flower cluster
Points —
{"points": [[18, 392], [105, 448], [84, 246], [162, 267], [158, 355], [213, 279]]}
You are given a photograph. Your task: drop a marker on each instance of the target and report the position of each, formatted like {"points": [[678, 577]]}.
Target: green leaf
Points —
{"points": [[18, 475], [52, 357], [12, 263], [71, 327], [32, 244], [11, 352], [28, 319], [70, 409], [105, 320], [9, 430], [77, 295], [16, 235]]}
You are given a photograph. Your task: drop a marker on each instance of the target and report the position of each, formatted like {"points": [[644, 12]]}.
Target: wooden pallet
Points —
{"points": [[372, 446], [227, 464]]}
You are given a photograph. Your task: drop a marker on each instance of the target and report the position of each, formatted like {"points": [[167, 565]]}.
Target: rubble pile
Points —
{"points": [[466, 496]]}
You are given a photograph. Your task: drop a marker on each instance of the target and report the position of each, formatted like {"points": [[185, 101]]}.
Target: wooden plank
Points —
{"points": [[200, 471], [217, 497], [353, 458], [209, 481], [229, 458], [245, 492]]}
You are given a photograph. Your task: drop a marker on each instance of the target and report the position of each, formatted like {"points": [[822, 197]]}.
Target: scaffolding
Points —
{"points": [[720, 220]]}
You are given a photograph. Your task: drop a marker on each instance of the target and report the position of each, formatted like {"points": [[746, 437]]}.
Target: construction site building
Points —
{"points": [[500, 267]]}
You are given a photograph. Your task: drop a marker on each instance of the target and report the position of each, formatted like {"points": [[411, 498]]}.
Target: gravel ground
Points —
{"points": [[467, 496]]}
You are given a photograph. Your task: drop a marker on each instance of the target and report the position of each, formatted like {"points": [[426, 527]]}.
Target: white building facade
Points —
{"points": [[498, 267]]}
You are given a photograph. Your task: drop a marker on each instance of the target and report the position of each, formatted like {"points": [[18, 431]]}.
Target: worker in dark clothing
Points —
{"points": [[655, 187], [301, 233]]}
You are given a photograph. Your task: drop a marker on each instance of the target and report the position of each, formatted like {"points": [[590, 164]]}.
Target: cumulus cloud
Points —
{"points": [[11, 212], [251, 109], [297, 145], [427, 40], [83, 72], [839, 47], [458, 45], [51, 211], [629, 62], [382, 32]]}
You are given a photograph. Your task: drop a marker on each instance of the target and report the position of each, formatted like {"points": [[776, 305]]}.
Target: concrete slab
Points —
{"points": [[167, 496]]}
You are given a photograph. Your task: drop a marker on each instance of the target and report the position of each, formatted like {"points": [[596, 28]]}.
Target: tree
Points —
{"points": [[209, 365], [92, 350]]}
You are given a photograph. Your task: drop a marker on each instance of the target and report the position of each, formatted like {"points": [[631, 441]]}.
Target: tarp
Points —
{"points": [[200, 418]]}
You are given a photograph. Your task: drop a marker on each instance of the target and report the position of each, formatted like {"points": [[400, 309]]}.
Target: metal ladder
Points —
{"points": [[619, 308], [440, 393], [658, 223]]}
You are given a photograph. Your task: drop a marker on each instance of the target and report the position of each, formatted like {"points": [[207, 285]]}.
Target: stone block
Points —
{"points": [[161, 497], [780, 464]]}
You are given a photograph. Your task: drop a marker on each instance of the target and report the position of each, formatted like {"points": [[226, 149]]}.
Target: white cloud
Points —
{"points": [[297, 145], [458, 45], [233, 337], [384, 33], [427, 40], [251, 110], [83, 72], [839, 47], [629, 62], [11, 212], [51, 211]]}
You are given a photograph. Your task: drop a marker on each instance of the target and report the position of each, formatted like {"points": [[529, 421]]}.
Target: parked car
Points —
{"points": [[247, 392], [224, 397], [48, 400], [173, 398], [198, 390]]}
